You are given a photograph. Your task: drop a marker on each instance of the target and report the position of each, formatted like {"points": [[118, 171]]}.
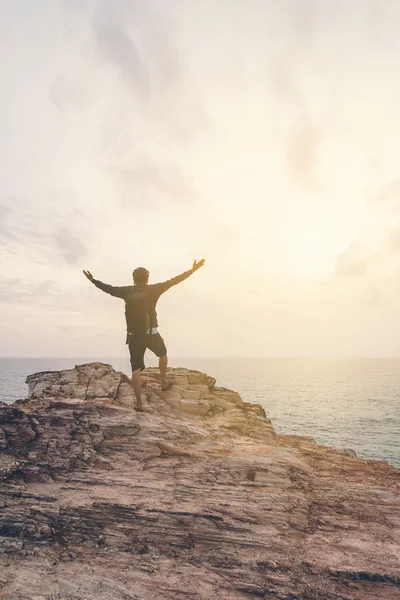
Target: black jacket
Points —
{"points": [[154, 290]]}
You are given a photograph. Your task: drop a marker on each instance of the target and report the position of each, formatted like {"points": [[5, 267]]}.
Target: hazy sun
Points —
{"points": [[313, 250]]}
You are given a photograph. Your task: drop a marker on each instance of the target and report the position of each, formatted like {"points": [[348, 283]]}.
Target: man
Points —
{"points": [[141, 320]]}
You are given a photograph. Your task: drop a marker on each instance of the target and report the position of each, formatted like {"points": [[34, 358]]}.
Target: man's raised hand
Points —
{"points": [[197, 265], [88, 275]]}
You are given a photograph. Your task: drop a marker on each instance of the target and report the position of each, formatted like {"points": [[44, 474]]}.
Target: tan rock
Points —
{"points": [[196, 497], [193, 407]]}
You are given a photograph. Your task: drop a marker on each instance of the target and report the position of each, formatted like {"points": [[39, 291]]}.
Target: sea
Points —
{"points": [[344, 403]]}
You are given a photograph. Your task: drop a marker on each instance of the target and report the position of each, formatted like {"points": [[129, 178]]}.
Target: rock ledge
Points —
{"points": [[197, 497]]}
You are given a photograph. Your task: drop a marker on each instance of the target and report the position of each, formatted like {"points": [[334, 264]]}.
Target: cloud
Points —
{"points": [[378, 270], [282, 80], [147, 183], [11, 223], [5, 228], [27, 228], [389, 194], [9, 283], [10, 290], [393, 239], [283, 69], [136, 45], [80, 6], [121, 48], [305, 20], [53, 296], [14, 290], [140, 42], [285, 78], [18, 224], [373, 20], [301, 152], [154, 109], [352, 262], [374, 297], [66, 92], [70, 246], [46, 286]]}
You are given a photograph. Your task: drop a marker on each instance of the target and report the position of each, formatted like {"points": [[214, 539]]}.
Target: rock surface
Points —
{"points": [[195, 498]]}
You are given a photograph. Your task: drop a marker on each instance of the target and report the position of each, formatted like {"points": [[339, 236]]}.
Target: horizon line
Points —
{"points": [[277, 357]]}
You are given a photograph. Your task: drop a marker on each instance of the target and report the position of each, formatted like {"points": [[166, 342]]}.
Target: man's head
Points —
{"points": [[140, 275]]}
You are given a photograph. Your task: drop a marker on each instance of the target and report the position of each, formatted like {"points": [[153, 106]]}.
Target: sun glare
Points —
{"points": [[314, 250]]}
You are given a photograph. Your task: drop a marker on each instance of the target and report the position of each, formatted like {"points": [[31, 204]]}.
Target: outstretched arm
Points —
{"points": [[118, 292], [163, 287]]}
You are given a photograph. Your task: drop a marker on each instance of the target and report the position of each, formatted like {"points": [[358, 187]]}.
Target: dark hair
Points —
{"points": [[140, 275]]}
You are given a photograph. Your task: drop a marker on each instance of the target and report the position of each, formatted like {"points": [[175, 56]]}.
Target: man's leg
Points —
{"points": [[137, 348], [163, 364], [156, 344], [137, 387]]}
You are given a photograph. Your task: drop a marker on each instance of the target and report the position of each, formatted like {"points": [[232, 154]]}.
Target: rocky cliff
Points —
{"points": [[195, 498]]}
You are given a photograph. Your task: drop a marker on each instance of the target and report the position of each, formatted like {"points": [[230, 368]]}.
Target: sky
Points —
{"points": [[262, 136]]}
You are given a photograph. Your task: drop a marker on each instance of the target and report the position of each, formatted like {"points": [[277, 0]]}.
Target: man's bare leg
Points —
{"points": [[137, 386], [163, 364]]}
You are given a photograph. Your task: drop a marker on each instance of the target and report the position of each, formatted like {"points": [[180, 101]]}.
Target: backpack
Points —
{"points": [[137, 310]]}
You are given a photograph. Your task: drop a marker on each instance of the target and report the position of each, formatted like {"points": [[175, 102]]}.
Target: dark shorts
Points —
{"points": [[138, 345]]}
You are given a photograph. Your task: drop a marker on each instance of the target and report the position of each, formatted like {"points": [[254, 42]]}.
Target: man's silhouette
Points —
{"points": [[141, 320]]}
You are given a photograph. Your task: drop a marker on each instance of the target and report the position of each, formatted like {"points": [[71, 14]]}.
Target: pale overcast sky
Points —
{"points": [[263, 136]]}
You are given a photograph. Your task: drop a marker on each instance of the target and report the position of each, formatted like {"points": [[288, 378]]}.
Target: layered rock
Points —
{"points": [[196, 497]]}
